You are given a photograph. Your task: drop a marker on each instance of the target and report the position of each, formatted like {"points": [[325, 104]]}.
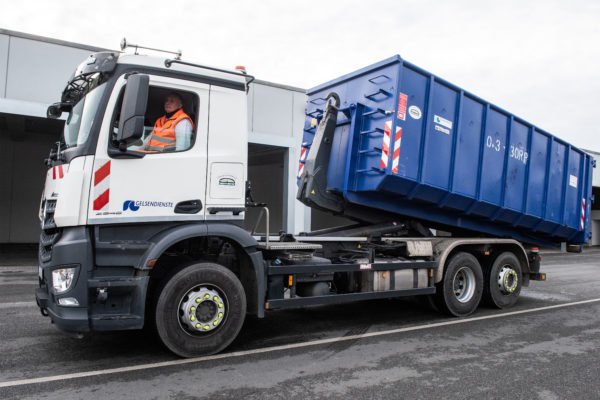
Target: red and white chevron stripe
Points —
{"points": [[57, 172], [397, 143], [303, 154], [582, 223], [102, 187], [385, 148]]}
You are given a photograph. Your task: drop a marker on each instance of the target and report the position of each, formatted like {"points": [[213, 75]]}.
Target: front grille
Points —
{"points": [[45, 254], [50, 233]]}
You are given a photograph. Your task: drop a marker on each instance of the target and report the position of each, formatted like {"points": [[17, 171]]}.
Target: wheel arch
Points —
{"points": [[251, 272], [444, 249]]}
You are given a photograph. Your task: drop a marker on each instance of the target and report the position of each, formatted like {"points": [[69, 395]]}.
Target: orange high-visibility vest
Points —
{"points": [[163, 136]]}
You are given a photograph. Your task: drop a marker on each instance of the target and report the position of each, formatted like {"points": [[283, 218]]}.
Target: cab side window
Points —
{"points": [[170, 121]]}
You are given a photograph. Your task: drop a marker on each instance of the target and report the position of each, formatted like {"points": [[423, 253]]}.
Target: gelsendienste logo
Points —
{"points": [[134, 205]]}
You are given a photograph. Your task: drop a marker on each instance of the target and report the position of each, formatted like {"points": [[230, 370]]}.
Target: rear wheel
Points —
{"points": [[200, 310], [503, 281], [460, 290]]}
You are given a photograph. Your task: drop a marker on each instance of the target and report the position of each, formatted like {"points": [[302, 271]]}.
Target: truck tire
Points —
{"points": [[200, 310], [459, 292], [503, 281]]}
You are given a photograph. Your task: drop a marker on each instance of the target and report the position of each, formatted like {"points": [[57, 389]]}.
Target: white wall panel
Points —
{"points": [[276, 118], [28, 108], [272, 110], [298, 116], [595, 171], [4, 40], [38, 71], [299, 221]]}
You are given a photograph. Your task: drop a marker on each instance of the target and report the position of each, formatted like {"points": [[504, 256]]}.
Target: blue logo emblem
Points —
{"points": [[130, 204]]}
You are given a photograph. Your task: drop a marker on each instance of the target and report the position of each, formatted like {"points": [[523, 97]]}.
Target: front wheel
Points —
{"points": [[200, 310], [460, 290], [503, 282]]}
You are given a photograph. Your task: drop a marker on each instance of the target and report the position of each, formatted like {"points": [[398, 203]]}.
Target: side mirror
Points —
{"points": [[131, 121], [55, 110]]}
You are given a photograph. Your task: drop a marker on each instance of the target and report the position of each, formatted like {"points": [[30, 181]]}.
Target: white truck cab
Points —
{"points": [[101, 183]]}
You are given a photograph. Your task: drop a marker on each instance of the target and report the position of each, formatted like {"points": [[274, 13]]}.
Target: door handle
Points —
{"points": [[188, 207]]}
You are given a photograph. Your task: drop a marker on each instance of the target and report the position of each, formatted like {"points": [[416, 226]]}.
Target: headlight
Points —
{"points": [[62, 278]]}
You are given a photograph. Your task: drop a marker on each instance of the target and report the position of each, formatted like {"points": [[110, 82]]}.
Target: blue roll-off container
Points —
{"points": [[453, 159]]}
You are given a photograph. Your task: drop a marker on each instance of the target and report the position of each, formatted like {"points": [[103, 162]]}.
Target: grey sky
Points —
{"points": [[537, 59]]}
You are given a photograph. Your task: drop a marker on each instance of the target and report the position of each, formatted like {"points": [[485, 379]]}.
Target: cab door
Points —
{"points": [[227, 154], [167, 186]]}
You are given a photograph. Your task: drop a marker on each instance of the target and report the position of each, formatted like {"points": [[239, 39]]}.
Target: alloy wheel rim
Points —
{"points": [[463, 284]]}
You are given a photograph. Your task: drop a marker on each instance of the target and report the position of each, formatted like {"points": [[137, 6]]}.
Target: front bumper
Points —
{"points": [[72, 320], [72, 248], [110, 298]]}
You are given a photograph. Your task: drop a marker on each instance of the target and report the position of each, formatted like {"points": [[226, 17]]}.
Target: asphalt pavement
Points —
{"points": [[546, 347]]}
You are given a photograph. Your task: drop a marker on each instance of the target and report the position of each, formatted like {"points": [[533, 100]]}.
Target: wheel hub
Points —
{"points": [[508, 280], [463, 284], [202, 309]]}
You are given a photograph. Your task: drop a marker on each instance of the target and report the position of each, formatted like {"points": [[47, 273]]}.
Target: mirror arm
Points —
{"points": [[118, 153]]}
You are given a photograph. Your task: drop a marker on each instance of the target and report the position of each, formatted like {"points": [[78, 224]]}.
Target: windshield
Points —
{"points": [[80, 120]]}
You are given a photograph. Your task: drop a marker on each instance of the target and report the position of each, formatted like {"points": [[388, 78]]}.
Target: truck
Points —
{"points": [[448, 196]]}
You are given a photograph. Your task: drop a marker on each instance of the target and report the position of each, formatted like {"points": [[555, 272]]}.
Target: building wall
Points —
{"points": [[4, 46], [6, 178], [595, 215], [276, 118], [35, 70], [266, 173], [596, 171], [28, 81], [595, 226], [33, 73], [24, 144]]}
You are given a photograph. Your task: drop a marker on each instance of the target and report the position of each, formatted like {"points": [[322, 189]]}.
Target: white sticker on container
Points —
{"points": [[573, 181], [443, 130], [442, 121], [402, 102], [414, 112]]}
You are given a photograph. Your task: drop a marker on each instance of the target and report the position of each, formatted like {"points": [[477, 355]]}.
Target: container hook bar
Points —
{"points": [[312, 188]]}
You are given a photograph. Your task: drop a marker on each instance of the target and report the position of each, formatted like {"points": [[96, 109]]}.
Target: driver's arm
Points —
{"points": [[183, 135]]}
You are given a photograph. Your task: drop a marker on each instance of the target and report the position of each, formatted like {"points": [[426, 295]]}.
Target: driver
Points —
{"points": [[172, 131]]}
